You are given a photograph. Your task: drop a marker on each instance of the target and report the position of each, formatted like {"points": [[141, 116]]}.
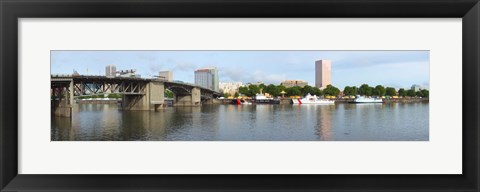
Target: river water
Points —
{"points": [[339, 122]]}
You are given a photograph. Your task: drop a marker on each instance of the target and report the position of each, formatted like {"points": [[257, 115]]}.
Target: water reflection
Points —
{"points": [[340, 122], [324, 122]]}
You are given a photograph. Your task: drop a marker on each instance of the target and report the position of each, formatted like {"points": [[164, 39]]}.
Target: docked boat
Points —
{"points": [[261, 99], [309, 99], [361, 99], [240, 102]]}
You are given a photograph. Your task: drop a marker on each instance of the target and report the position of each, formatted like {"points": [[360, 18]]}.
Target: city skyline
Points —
{"points": [[399, 69]]}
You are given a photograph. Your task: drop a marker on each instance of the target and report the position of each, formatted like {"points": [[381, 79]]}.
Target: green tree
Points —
{"points": [[243, 90], [331, 90], [307, 89], [267, 89], [355, 90], [293, 91], [168, 93], [411, 93], [253, 90], [425, 93], [365, 90], [379, 90], [281, 88], [236, 94], [419, 94], [390, 91], [402, 92], [316, 91], [114, 95], [226, 95], [272, 90], [348, 91], [261, 87]]}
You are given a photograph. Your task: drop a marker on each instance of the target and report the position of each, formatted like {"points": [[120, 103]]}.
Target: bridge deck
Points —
{"points": [[63, 79]]}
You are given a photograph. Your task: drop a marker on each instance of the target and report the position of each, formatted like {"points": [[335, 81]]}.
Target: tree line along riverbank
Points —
{"points": [[339, 100], [330, 91]]}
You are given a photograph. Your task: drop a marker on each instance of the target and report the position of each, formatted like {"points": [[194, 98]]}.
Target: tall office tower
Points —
{"points": [[323, 73], [207, 78], [165, 75], [110, 71]]}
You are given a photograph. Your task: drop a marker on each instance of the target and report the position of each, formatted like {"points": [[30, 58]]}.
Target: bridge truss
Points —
{"points": [[103, 87], [92, 85]]}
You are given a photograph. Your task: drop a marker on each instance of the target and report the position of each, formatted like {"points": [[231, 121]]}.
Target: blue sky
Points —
{"points": [[388, 68]]}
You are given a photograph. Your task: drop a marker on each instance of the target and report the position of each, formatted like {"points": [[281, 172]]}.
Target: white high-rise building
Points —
{"points": [[323, 73], [110, 71], [207, 78]]}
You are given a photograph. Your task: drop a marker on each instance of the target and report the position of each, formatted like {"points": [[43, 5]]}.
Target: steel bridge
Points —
{"points": [[137, 93]]}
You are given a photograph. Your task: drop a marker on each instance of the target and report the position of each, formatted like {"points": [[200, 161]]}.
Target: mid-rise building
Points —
{"points": [[110, 71], [230, 87], [293, 83], [165, 75], [207, 78], [323, 73]]}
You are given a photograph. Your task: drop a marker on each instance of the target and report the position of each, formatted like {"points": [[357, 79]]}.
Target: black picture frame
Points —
{"points": [[10, 11]]}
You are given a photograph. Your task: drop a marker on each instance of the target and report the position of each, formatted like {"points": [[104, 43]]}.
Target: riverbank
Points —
{"points": [[230, 101], [289, 101], [399, 100]]}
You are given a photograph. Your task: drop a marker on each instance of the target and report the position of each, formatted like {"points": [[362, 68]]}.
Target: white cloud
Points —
{"points": [[268, 78], [155, 68], [183, 66], [239, 74]]}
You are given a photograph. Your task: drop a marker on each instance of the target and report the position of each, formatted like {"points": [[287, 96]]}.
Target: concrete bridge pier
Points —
{"points": [[152, 98], [134, 102], [193, 99], [157, 95], [62, 100]]}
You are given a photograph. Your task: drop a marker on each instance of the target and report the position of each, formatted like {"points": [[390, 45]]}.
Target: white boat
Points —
{"points": [[262, 99], [361, 99], [309, 99]]}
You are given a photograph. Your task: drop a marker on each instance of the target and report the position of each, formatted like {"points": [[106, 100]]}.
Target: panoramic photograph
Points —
{"points": [[239, 95]]}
